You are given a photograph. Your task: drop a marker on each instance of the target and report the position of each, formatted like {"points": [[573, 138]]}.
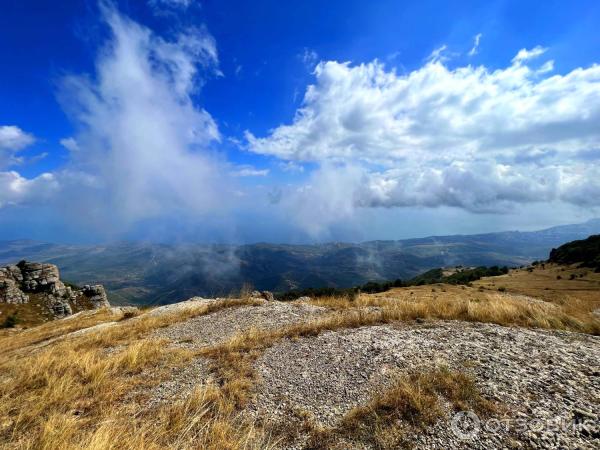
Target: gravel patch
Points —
{"points": [[215, 328], [542, 375]]}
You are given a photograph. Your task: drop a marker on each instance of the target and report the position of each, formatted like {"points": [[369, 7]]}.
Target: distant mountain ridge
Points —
{"points": [[147, 273]]}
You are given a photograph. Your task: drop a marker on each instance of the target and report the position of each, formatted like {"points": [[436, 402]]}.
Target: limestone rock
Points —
{"points": [[96, 295], [10, 292], [61, 309], [42, 280]]}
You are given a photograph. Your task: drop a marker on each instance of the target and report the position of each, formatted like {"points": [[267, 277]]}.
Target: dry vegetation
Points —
{"points": [[87, 391], [447, 302], [577, 289], [71, 394], [417, 400], [11, 340]]}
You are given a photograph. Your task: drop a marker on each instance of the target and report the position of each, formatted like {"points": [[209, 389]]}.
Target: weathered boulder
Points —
{"points": [[40, 277], [61, 309], [96, 295]]}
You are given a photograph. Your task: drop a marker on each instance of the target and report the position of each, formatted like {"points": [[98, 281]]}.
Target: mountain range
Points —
{"points": [[150, 273]]}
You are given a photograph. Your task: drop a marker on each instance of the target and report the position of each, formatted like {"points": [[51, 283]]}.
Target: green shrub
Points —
{"points": [[10, 321]]}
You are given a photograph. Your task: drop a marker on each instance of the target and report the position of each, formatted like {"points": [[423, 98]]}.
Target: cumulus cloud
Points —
{"points": [[143, 146], [13, 138], [17, 190], [468, 137]]}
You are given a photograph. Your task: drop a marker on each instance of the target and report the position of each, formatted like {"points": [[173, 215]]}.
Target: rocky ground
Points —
{"points": [[542, 380], [540, 377], [216, 328]]}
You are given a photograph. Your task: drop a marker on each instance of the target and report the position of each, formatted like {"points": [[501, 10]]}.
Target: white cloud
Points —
{"points": [[249, 171], [17, 190], [291, 166], [476, 41], [437, 54], [13, 138], [548, 66], [470, 137], [144, 147], [70, 144], [525, 54]]}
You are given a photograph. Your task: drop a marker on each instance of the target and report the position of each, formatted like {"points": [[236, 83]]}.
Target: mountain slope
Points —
{"points": [[586, 252], [146, 273]]}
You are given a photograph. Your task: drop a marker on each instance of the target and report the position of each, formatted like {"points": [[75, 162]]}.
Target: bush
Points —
{"points": [[502, 289], [10, 321]]}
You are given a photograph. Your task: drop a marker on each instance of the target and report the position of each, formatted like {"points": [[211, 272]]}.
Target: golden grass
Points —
{"points": [[50, 330], [567, 286], [471, 305], [73, 394], [416, 400]]}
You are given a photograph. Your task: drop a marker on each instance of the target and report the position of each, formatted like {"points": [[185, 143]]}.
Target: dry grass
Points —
{"points": [[72, 394], [469, 304], [577, 289], [417, 400], [10, 341]]}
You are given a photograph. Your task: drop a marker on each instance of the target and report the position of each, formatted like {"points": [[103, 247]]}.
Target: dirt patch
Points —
{"points": [[542, 375]]}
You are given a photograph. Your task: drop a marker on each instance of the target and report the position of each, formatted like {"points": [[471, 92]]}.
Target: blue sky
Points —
{"points": [[292, 121]]}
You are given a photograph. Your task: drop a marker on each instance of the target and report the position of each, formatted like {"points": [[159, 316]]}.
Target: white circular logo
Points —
{"points": [[465, 425]]}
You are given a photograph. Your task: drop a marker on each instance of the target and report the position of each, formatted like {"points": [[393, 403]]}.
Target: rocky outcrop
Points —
{"points": [[96, 295], [9, 286], [21, 281]]}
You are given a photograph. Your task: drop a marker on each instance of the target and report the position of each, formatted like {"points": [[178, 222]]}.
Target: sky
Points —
{"points": [[296, 121]]}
